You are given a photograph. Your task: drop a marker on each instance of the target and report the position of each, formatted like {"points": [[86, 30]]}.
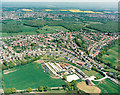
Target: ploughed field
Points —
{"points": [[30, 75]]}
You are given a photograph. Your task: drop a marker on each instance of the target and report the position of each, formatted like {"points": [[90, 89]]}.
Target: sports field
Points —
{"points": [[30, 75], [111, 56], [107, 86]]}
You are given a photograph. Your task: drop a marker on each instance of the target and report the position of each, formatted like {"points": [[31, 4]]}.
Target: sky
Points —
{"points": [[60, 0]]}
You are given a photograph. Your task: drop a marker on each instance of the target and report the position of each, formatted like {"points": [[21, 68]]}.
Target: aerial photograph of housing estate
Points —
{"points": [[59, 47]]}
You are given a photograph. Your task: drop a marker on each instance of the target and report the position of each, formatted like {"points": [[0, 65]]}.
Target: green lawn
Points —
{"points": [[107, 86], [56, 91], [93, 73], [51, 29], [111, 56], [15, 34], [27, 28], [30, 75], [58, 28]]}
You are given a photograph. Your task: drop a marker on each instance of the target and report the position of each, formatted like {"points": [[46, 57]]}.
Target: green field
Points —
{"points": [[93, 73], [107, 86], [57, 27], [111, 56], [32, 30], [25, 30], [51, 29], [30, 75], [15, 34], [106, 27]]}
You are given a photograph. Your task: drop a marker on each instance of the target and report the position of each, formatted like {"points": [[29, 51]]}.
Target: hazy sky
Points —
{"points": [[60, 0]]}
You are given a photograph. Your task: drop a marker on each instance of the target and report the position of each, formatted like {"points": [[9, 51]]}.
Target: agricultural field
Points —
{"points": [[111, 56], [30, 75], [107, 86], [93, 73]]}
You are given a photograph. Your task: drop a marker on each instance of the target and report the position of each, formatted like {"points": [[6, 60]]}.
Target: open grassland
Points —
{"points": [[88, 89], [26, 30], [111, 56], [57, 27], [51, 29], [30, 75], [107, 86], [15, 34], [93, 73]]}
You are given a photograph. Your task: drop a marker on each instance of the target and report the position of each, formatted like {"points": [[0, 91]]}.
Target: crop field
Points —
{"points": [[93, 73], [111, 56], [107, 86], [30, 75]]}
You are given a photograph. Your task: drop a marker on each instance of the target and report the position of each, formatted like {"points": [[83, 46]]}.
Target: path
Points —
{"points": [[37, 89]]}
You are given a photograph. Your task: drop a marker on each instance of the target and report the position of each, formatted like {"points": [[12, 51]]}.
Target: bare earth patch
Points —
{"points": [[39, 61], [88, 89], [54, 77], [7, 71]]}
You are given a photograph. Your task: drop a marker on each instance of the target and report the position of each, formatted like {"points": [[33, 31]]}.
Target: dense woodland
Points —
{"points": [[110, 27], [11, 28]]}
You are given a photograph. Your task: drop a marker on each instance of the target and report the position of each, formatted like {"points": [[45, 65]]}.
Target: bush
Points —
{"points": [[7, 91], [29, 89]]}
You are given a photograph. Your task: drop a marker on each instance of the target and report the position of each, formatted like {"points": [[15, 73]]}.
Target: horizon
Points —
{"points": [[60, 1]]}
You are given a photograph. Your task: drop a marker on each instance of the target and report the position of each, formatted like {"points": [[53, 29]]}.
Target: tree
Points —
{"points": [[73, 83], [11, 64], [7, 91], [58, 88], [46, 88], [64, 77], [67, 84], [29, 89], [5, 63], [41, 88], [4, 67], [27, 56], [13, 90], [56, 49]]}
